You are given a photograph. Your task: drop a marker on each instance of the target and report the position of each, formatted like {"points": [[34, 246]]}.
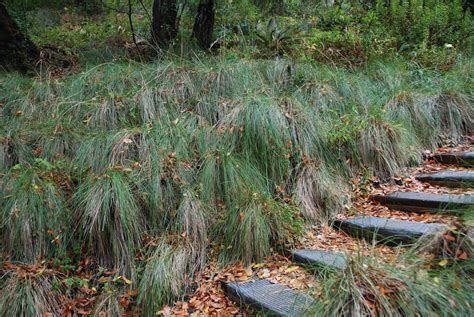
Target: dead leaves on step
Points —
{"points": [[363, 188], [210, 300]]}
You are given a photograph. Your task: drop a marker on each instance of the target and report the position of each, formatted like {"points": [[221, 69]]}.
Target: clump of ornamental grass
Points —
{"points": [[453, 113], [417, 115], [14, 150], [164, 169], [279, 75], [60, 140], [251, 221], [109, 219], [103, 150], [177, 258], [455, 243], [149, 105], [224, 176], [106, 115], [259, 132], [403, 287], [385, 147], [33, 219], [167, 276], [192, 223], [6, 153], [107, 304], [252, 228], [321, 192], [30, 291]]}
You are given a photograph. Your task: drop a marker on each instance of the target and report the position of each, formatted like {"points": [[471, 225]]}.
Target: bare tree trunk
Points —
{"points": [[163, 25], [16, 50], [204, 23], [468, 5]]}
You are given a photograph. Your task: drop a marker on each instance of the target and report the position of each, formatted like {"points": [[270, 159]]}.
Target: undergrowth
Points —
{"points": [[231, 156], [406, 286]]}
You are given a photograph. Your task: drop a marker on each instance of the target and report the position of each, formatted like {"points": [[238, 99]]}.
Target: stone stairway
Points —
{"points": [[388, 231], [425, 202], [280, 300], [320, 258], [275, 299], [449, 178], [460, 158]]}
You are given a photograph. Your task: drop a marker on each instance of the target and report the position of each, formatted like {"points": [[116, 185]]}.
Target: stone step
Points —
{"points": [[389, 231], [449, 178], [275, 299], [422, 202], [459, 158], [334, 260]]}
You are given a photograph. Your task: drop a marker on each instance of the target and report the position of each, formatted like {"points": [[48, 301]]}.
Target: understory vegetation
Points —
{"points": [[134, 174], [237, 155], [405, 286]]}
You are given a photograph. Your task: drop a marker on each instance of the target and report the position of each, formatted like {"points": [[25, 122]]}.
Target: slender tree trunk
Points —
{"points": [[163, 25], [16, 50], [468, 5], [204, 23]]}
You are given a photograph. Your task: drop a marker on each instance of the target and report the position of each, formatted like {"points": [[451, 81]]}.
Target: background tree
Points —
{"points": [[204, 23], [16, 50], [164, 26]]}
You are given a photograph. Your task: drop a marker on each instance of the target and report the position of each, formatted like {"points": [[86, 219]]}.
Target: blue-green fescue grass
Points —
{"points": [[322, 193], [168, 273], [107, 304], [34, 221], [236, 153], [110, 220], [404, 286], [30, 293]]}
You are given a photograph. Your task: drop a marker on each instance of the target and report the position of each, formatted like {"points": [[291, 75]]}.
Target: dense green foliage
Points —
{"points": [[148, 167], [350, 33], [251, 141]]}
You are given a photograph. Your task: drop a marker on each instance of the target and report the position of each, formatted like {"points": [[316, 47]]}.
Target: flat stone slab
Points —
{"points": [[276, 299], [322, 258], [420, 202], [459, 158], [449, 178], [389, 231]]}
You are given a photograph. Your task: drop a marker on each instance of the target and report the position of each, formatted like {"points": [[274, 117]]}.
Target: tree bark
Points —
{"points": [[468, 5], [163, 25], [17, 52], [204, 23]]}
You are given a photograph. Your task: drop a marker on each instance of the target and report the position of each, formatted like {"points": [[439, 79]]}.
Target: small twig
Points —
{"points": [[131, 22], [145, 9], [178, 20]]}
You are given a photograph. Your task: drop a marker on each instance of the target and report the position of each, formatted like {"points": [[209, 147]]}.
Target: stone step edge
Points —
{"points": [[378, 234], [455, 158], [410, 204], [232, 291], [330, 259], [454, 180]]}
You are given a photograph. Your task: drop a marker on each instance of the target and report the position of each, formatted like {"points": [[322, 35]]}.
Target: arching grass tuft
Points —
{"points": [[367, 287], [167, 275], [28, 292], [34, 222], [110, 220], [321, 192]]}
